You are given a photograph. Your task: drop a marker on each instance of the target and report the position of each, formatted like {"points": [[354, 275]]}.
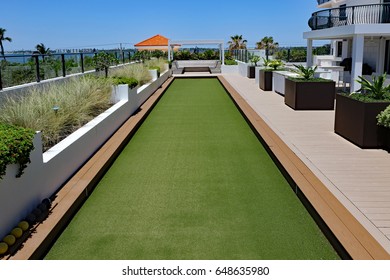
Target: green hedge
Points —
{"points": [[16, 143], [125, 80]]}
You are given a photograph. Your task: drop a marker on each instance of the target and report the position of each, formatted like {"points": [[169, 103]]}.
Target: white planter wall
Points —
{"points": [[243, 68], [47, 172], [229, 69]]}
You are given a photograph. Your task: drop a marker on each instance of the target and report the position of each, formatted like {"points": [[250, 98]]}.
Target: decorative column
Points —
{"points": [[357, 61], [309, 55]]}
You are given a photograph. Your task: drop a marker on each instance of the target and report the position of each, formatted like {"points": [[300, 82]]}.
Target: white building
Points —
{"points": [[359, 30]]}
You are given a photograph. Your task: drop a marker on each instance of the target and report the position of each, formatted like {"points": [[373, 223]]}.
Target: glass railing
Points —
{"points": [[363, 14], [18, 69]]}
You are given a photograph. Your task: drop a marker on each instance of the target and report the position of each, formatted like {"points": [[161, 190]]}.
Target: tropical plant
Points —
{"points": [[275, 64], [384, 118], [237, 43], [306, 73], [41, 49], [3, 38], [103, 61], [268, 44], [375, 89], [255, 59]]}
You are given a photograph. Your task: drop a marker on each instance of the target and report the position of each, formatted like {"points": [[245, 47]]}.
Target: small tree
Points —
{"points": [[103, 61], [255, 59]]}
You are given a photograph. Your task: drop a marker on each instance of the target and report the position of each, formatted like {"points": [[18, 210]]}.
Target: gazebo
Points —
{"points": [[219, 43]]}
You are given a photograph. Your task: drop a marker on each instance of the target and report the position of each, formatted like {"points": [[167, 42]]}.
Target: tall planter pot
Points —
{"points": [[356, 121], [310, 95], [384, 137], [251, 72], [265, 81]]}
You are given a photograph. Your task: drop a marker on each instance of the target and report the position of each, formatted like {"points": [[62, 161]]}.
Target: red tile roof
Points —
{"points": [[156, 40]]}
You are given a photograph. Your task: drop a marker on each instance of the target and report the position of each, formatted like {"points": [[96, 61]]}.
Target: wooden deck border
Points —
{"points": [[73, 194], [356, 240]]}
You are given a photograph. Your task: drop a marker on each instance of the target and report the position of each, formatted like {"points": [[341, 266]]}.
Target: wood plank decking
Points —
{"points": [[357, 181]]}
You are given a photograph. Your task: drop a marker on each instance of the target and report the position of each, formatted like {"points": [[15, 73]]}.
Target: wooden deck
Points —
{"points": [[352, 185]]}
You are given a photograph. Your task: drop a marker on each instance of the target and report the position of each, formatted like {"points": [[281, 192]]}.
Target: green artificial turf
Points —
{"points": [[193, 183]]}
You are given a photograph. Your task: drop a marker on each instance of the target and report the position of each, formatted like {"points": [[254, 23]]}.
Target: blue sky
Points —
{"points": [[105, 24]]}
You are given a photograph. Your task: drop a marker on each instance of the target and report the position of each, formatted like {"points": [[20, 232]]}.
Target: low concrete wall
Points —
{"points": [[229, 69], [243, 68], [257, 74], [47, 172]]}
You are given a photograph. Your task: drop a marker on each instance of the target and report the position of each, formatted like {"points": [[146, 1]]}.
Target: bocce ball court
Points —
{"points": [[193, 182]]}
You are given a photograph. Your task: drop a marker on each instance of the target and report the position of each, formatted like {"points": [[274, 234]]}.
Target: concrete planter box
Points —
{"points": [[309, 95], [265, 82], [356, 121], [154, 74], [48, 171], [279, 80], [251, 72]]}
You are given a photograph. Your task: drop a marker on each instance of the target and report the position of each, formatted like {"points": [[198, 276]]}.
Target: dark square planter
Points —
{"points": [[251, 72], [384, 137], [309, 95], [356, 121], [265, 81]]}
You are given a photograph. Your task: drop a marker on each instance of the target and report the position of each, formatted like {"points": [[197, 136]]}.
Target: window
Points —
{"points": [[339, 48]]}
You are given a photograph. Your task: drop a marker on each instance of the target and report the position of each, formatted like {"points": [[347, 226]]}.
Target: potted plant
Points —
{"points": [[266, 76], [383, 122], [251, 68], [308, 93], [355, 116]]}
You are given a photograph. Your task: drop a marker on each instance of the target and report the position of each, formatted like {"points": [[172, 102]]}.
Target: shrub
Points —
{"points": [[384, 118], [230, 62], [16, 144], [125, 80], [103, 61], [306, 73]]}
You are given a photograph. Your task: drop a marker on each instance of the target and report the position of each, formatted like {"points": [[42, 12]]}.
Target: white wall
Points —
{"points": [[49, 171], [371, 49]]}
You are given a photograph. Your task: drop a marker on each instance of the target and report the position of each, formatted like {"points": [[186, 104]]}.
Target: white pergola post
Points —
{"points": [[309, 55], [223, 53], [344, 52], [169, 51], [357, 61]]}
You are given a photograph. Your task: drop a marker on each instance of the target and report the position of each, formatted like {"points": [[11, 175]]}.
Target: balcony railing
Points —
{"points": [[363, 14], [320, 2]]}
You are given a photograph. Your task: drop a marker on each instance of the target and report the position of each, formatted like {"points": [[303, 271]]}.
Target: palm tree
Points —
{"points": [[3, 38], [268, 44], [41, 49], [237, 43]]}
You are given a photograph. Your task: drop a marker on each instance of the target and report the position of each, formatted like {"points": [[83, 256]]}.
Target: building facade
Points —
{"points": [[360, 34]]}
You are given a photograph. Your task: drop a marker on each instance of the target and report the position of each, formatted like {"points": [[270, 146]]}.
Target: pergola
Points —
{"points": [[220, 44]]}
